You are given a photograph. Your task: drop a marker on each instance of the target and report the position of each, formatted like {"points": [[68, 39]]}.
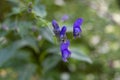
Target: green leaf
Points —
{"points": [[50, 62], [27, 42], [24, 28], [19, 60], [3, 33], [27, 72], [8, 52], [40, 11], [47, 34], [76, 54], [53, 49], [15, 11]]}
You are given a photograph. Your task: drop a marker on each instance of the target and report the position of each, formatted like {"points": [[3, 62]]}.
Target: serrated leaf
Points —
{"points": [[19, 60], [50, 62], [15, 11], [8, 52], [40, 11], [27, 42], [24, 28], [47, 34]]}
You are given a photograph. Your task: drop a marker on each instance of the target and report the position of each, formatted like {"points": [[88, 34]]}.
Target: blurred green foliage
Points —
{"points": [[30, 51]]}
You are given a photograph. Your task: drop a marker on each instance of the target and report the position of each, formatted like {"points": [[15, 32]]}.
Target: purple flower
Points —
{"points": [[64, 18], [63, 33], [56, 28], [77, 27], [65, 51], [4, 27]]}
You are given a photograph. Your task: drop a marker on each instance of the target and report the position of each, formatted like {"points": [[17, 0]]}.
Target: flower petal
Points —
{"points": [[64, 50], [77, 27], [56, 29], [65, 54], [76, 32], [78, 22], [55, 25], [63, 33], [65, 45]]}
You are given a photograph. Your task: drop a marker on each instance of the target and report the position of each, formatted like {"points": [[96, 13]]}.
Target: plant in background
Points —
{"points": [[31, 51]]}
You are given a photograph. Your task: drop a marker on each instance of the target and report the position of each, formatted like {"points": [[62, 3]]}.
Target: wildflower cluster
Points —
{"points": [[61, 36]]}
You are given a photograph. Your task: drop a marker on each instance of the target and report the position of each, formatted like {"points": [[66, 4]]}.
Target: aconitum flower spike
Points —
{"points": [[56, 28], [63, 33], [77, 27], [65, 51]]}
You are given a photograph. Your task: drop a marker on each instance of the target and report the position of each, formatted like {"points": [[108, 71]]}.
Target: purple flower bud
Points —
{"points": [[29, 7], [34, 29], [29, 10], [77, 27], [4, 27], [63, 33], [64, 18], [65, 51], [55, 25], [56, 28]]}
